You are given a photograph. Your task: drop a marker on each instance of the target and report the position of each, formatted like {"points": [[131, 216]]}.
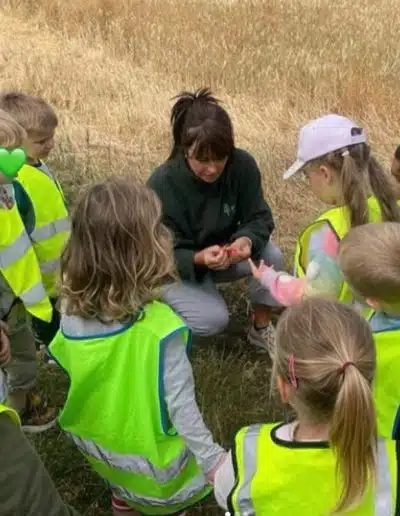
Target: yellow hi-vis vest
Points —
{"points": [[19, 265], [116, 412], [11, 413], [52, 224], [387, 383], [339, 220], [276, 478]]}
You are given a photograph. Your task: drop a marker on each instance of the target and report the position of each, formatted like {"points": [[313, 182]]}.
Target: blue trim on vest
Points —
{"points": [[134, 318], [396, 426], [166, 426]]}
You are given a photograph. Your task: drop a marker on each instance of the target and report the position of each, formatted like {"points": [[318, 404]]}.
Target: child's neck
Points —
{"points": [[32, 161], [305, 431]]}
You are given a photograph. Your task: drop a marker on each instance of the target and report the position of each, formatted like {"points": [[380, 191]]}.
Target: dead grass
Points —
{"points": [[109, 67]]}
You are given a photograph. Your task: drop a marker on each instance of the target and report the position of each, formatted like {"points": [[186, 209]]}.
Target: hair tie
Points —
{"points": [[345, 365], [346, 152], [292, 374]]}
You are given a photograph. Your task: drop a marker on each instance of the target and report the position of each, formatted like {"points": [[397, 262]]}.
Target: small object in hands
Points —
{"points": [[231, 252], [11, 161]]}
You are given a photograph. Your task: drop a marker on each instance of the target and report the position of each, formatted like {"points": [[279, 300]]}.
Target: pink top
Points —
{"points": [[323, 277]]}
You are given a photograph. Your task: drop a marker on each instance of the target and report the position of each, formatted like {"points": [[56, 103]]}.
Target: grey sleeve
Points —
{"points": [[182, 406]]}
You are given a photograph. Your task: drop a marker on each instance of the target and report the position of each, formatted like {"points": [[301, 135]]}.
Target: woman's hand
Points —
{"points": [[239, 250], [215, 258], [4, 343]]}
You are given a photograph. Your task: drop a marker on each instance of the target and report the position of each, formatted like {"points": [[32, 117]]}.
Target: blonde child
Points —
{"points": [[51, 221], [22, 294], [369, 257], [334, 156], [131, 405], [328, 460]]}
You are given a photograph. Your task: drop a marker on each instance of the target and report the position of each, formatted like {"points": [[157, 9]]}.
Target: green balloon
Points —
{"points": [[11, 161]]}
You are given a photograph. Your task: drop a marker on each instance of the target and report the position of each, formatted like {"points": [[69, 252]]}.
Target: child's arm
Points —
{"points": [[183, 410], [322, 277]]}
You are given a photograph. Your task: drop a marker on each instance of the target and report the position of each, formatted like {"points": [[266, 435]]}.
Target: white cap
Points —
{"points": [[323, 135]]}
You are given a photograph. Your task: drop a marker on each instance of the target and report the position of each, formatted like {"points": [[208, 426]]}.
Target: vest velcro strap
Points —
{"points": [[51, 229], [249, 455], [15, 251], [34, 295], [50, 266], [182, 496], [133, 463]]}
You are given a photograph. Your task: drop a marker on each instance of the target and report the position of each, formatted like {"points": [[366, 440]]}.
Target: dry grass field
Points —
{"points": [[110, 68]]}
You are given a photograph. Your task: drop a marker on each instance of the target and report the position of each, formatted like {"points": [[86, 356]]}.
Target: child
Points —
{"points": [[328, 458], [22, 293], [369, 258], [131, 405], [334, 155], [52, 224]]}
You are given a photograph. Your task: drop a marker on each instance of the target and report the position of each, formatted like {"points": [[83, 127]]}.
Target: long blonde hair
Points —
{"points": [[119, 253], [315, 340], [359, 173]]}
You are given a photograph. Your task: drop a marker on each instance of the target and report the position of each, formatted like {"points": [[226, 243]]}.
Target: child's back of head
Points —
{"points": [[325, 352], [369, 257], [119, 253]]}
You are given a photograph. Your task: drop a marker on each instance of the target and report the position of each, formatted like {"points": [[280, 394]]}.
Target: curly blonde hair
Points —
{"points": [[119, 253]]}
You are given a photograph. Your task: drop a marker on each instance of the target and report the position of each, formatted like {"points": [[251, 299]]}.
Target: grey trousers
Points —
{"points": [[201, 305]]}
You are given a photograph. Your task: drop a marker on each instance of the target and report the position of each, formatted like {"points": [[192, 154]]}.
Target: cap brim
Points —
{"points": [[296, 167]]}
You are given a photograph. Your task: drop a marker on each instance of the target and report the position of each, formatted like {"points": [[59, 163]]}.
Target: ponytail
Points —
{"points": [[353, 437], [384, 191], [183, 105], [354, 190], [359, 171]]}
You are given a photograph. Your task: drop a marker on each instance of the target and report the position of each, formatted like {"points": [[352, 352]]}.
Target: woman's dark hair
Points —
{"points": [[197, 118], [397, 153]]}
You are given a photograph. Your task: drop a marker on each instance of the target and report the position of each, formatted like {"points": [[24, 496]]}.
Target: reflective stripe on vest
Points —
{"points": [[383, 481], [19, 265], [133, 463], [35, 294], [52, 224], [249, 456], [15, 250], [51, 229], [50, 266], [190, 490], [246, 495]]}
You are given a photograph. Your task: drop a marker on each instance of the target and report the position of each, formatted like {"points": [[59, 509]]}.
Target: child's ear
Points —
{"points": [[284, 389], [327, 174]]}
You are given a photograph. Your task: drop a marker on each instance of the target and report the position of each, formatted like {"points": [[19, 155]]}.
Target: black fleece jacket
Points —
{"points": [[202, 214]]}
